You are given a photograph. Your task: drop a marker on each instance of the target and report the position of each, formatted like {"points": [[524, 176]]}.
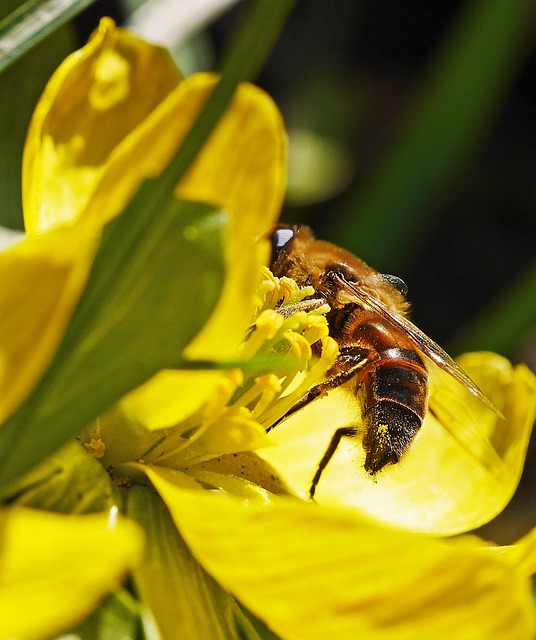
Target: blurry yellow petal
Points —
{"points": [[40, 282], [93, 101], [56, 568], [315, 573], [522, 553], [441, 486]]}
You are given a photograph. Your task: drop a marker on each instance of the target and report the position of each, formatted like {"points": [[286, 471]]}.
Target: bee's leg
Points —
{"points": [[330, 452], [347, 365]]}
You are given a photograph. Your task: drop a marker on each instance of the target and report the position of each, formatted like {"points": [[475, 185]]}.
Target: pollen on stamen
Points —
{"points": [[95, 447], [283, 332], [276, 292], [283, 365], [270, 388]]}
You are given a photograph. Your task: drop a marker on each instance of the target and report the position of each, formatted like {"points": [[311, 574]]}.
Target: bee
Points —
{"points": [[382, 354]]}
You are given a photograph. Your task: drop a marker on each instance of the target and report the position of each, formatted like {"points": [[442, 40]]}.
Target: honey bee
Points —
{"points": [[382, 354]]}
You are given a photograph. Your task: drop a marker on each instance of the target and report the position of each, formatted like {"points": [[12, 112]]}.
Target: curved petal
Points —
{"points": [[41, 280], [442, 486], [315, 573], [96, 97], [170, 397], [241, 169], [56, 568]]}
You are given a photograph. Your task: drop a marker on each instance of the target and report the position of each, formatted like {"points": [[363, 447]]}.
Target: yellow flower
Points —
{"points": [[100, 128], [205, 445], [320, 570], [228, 523]]}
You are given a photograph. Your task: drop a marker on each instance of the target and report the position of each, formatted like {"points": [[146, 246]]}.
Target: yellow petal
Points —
{"points": [[170, 397], [315, 573], [522, 553], [442, 486], [56, 568], [240, 169], [97, 96], [75, 166], [40, 282]]}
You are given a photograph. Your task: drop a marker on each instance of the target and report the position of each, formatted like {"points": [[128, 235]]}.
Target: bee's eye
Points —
{"points": [[280, 238], [397, 283]]}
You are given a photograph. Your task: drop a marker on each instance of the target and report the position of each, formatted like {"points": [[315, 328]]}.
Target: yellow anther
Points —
{"points": [[299, 348], [270, 388]]}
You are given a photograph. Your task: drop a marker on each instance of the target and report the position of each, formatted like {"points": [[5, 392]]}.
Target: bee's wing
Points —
{"points": [[421, 341], [449, 403], [469, 422]]}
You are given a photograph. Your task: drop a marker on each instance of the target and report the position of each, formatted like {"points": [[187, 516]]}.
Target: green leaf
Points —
{"points": [[185, 601], [155, 280], [459, 100], [31, 22]]}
